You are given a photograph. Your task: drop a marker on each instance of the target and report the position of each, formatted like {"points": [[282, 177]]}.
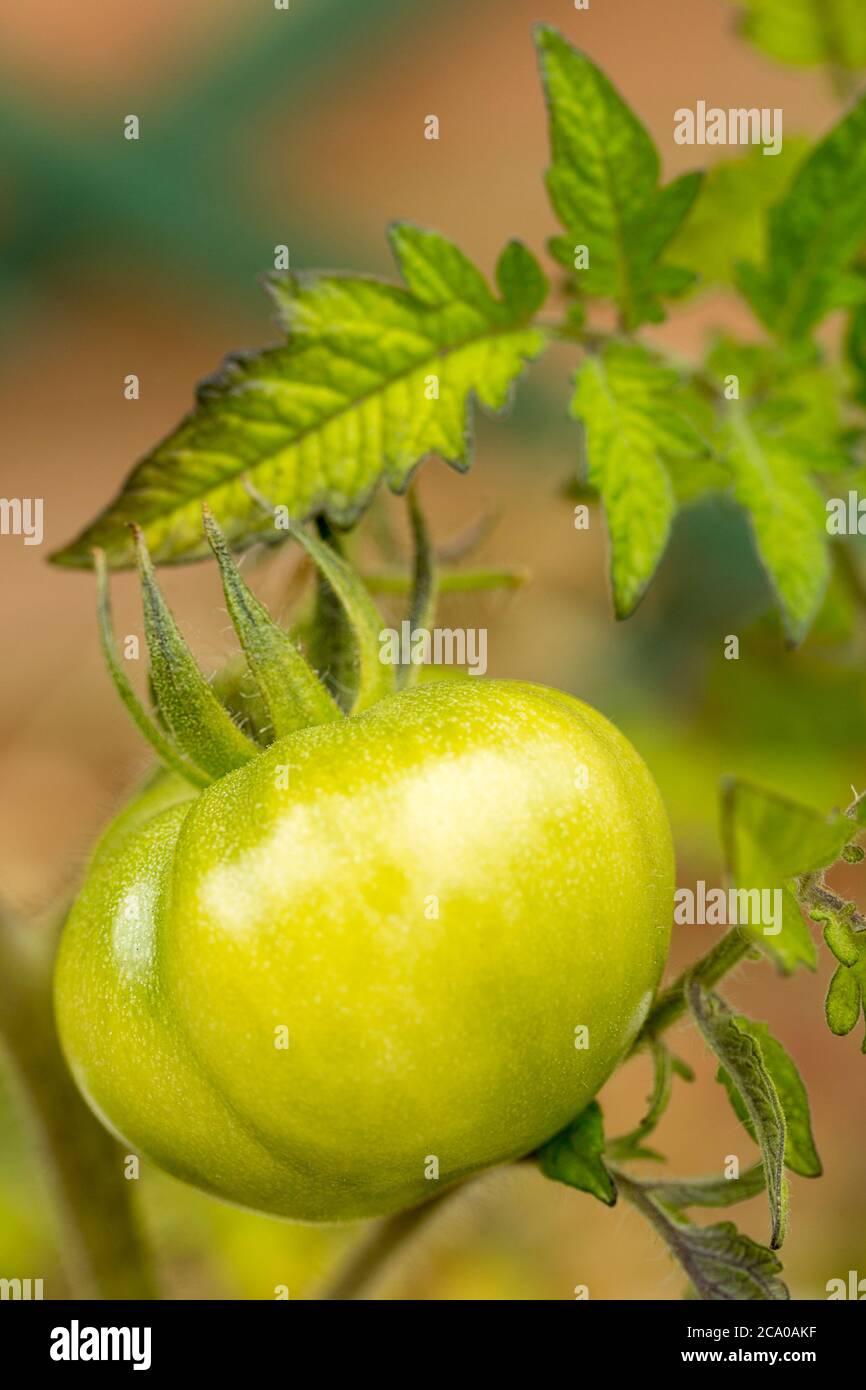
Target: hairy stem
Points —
{"points": [[101, 1246], [813, 893], [672, 1003], [368, 1260], [455, 582], [637, 1193]]}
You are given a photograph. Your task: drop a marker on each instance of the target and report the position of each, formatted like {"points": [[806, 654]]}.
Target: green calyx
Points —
{"points": [[292, 692], [191, 729]]}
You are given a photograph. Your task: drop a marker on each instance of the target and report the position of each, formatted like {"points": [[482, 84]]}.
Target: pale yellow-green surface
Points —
{"points": [[445, 891]]}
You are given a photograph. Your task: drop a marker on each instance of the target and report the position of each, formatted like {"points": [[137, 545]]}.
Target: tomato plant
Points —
{"points": [[363, 936]]}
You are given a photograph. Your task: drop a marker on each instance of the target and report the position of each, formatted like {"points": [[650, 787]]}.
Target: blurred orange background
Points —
{"points": [[305, 127]]}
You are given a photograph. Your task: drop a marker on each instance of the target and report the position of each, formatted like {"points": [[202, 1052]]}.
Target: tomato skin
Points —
{"points": [[431, 908]]}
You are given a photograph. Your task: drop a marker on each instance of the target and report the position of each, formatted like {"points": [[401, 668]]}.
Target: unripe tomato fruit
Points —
{"points": [[428, 902]]}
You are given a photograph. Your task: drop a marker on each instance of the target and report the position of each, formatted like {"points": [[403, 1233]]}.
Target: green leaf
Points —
{"points": [[724, 1264], [604, 186], [727, 222], [855, 345], [814, 232], [741, 1057], [202, 727], [801, 1156], [771, 472], [721, 1263], [710, 1192], [635, 419], [631, 1145], [373, 379], [575, 1156], [847, 994], [843, 1001], [294, 695], [786, 427], [769, 841], [838, 935], [803, 388], [807, 32]]}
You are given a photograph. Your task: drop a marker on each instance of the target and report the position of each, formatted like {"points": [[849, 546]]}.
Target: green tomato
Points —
{"points": [[388, 952]]}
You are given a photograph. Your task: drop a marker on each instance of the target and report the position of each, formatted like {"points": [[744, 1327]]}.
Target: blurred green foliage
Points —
{"points": [[807, 33]]}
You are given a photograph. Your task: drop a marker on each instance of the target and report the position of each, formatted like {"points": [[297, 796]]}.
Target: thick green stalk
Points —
{"points": [[450, 582], [367, 1261], [672, 1003], [100, 1242], [425, 587]]}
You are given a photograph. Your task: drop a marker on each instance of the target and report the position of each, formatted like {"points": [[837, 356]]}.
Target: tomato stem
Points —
{"points": [[367, 1261], [102, 1249], [450, 581], [672, 1003], [425, 582]]}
